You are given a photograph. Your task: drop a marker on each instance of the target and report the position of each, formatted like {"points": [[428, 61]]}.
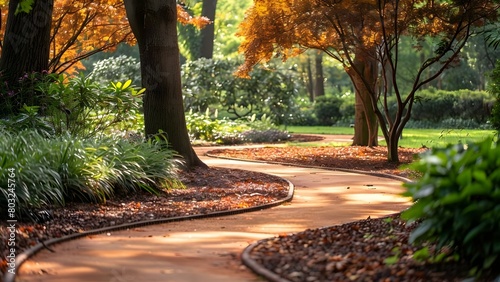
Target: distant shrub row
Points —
{"points": [[432, 108], [439, 105]]}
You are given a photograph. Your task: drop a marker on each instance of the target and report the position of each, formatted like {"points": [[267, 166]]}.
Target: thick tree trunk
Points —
{"points": [[319, 78], [207, 34], [26, 44], [154, 25], [363, 75]]}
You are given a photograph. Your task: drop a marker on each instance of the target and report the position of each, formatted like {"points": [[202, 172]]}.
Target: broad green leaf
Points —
{"points": [[480, 175], [423, 228], [422, 254], [126, 84], [474, 232], [488, 262], [415, 211], [391, 260], [465, 177], [425, 191], [451, 199], [475, 189]]}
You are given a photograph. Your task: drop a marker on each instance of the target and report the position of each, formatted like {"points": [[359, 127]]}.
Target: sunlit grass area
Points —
{"points": [[319, 130], [415, 138], [412, 138]]}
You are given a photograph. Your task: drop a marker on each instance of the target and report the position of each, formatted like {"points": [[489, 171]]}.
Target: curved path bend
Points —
{"points": [[208, 250]]}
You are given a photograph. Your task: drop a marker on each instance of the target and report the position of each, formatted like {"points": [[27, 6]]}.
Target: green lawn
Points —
{"points": [[412, 138]]}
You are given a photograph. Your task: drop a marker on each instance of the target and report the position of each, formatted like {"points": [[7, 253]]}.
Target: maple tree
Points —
{"points": [[365, 37]]}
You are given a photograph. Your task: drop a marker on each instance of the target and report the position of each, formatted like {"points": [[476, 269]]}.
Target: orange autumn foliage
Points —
{"points": [[283, 28], [81, 28]]}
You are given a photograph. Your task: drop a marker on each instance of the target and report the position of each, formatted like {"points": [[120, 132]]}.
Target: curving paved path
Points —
{"points": [[208, 249]]}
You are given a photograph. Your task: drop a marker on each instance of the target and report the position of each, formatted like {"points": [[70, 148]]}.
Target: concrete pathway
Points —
{"points": [[208, 250]]}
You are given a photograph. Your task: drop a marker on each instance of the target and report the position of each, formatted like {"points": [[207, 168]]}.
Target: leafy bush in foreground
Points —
{"points": [[50, 171], [458, 199]]}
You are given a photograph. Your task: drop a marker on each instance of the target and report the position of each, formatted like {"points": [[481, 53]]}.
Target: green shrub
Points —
{"points": [[327, 109], [269, 91], [24, 160], [494, 89], [438, 105], [347, 109], [458, 201], [50, 171], [120, 68], [265, 136], [85, 108], [225, 131], [202, 126], [27, 119]]}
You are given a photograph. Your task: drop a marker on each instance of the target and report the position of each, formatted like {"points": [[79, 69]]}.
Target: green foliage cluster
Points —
{"points": [[439, 105], [49, 171], [327, 109], [208, 83], [432, 109], [119, 68], [85, 108], [209, 128], [494, 89], [78, 106], [458, 202]]}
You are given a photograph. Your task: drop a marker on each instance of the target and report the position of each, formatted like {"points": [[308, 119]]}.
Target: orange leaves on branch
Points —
{"points": [[274, 28], [81, 28], [185, 18]]}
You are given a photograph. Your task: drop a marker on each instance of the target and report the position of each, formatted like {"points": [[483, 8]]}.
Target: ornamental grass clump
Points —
{"points": [[458, 203], [50, 171]]}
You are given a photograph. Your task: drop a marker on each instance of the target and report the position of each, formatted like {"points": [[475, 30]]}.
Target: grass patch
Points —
{"points": [[319, 130], [412, 138], [416, 138]]}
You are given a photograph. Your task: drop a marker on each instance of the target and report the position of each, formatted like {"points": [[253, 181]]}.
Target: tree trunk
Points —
{"points": [[309, 80], [392, 147], [154, 24], [207, 34], [26, 44], [319, 78], [363, 75]]}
